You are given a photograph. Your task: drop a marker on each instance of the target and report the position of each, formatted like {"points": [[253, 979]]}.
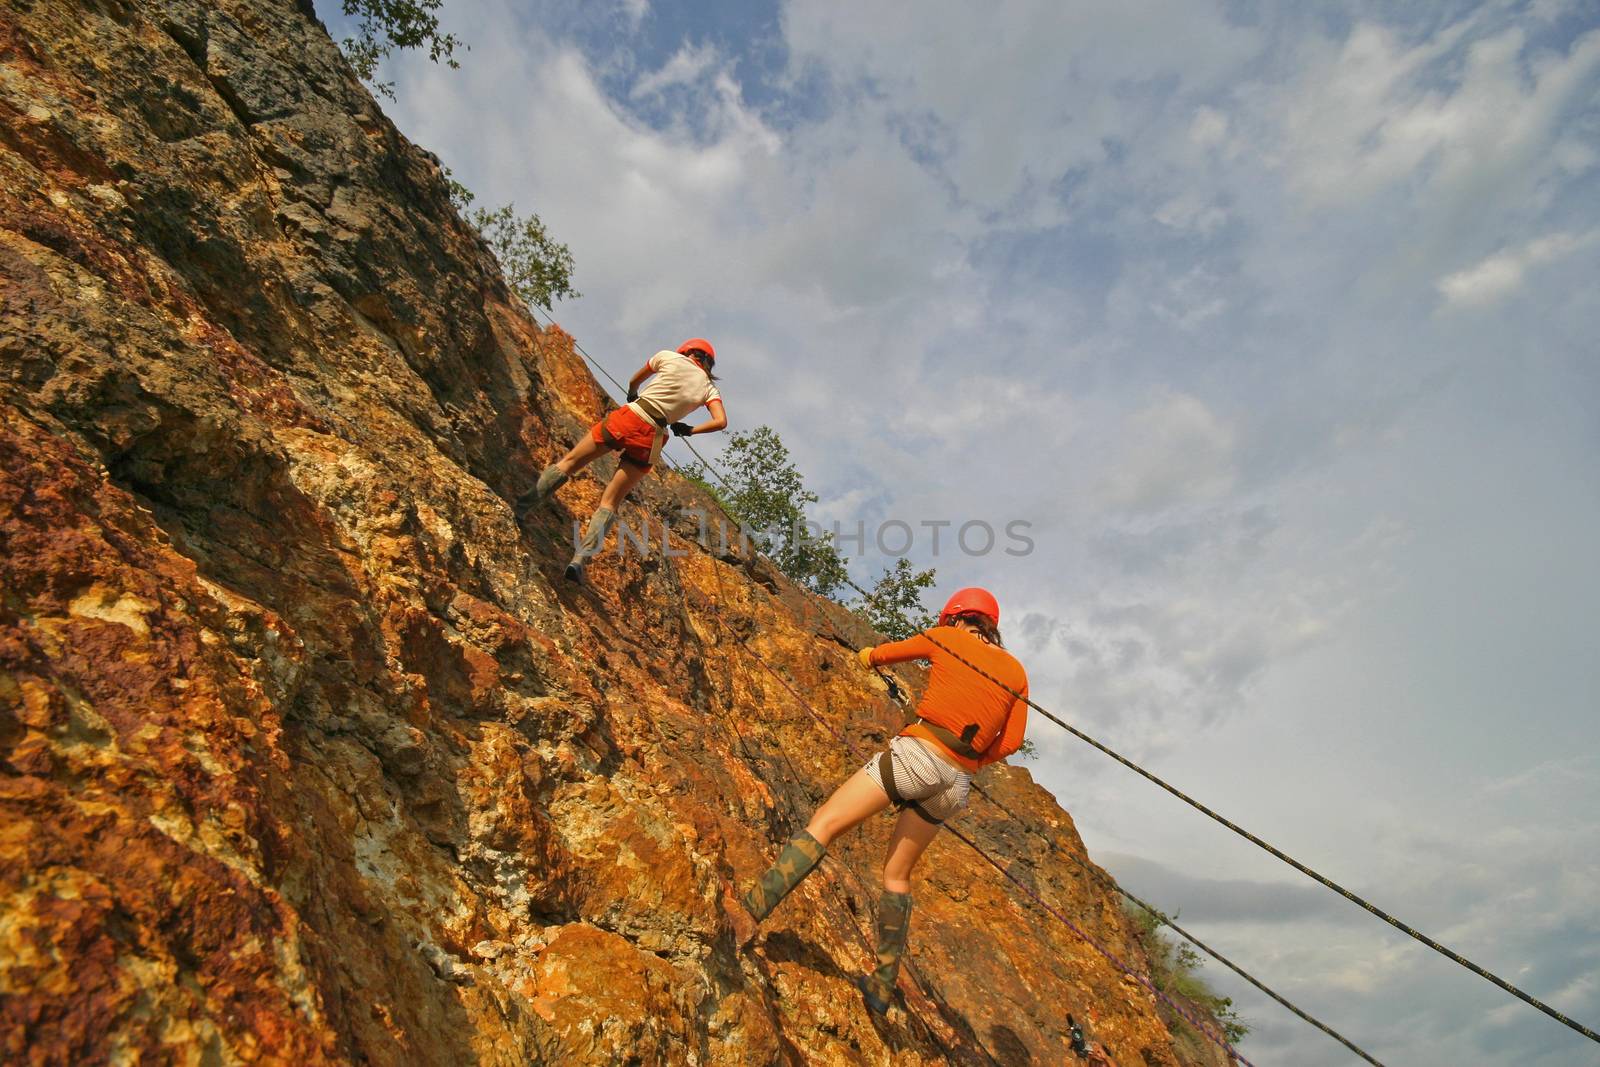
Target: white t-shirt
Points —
{"points": [[679, 386]]}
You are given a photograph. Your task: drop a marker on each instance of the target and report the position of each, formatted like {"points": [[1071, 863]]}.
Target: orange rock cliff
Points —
{"points": [[307, 754]]}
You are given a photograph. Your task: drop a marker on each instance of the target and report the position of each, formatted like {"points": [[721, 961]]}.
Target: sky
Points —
{"points": [[1268, 320]]}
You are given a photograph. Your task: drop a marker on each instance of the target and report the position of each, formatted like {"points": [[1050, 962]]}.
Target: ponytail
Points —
{"points": [[987, 628]]}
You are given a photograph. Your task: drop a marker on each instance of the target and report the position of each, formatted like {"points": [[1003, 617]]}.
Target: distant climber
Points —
{"points": [[963, 722], [682, 382]]}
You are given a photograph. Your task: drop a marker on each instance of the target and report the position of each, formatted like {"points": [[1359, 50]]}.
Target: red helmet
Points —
{"points": [[971, 601], [697, 342]]}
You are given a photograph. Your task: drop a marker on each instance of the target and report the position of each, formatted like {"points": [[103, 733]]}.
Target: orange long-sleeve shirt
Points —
{"points": [[958, 696]]}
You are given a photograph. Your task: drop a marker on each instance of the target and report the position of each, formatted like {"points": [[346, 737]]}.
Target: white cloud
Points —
{"points": [[1021, 94], [1376, 112], [1209, 128], [686, 66], [1192, 210], [1503, 273], [636, 10], [1177, 451]]}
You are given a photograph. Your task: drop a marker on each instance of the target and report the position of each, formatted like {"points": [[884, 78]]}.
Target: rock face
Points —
{"points": [[307, 754]]}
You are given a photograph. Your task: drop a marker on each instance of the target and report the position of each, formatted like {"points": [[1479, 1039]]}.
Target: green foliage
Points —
{"points": [[1174, 970], [1028, 750], [894, 607], [537, 267], [461, 197], [697, 474], [768, 498], [389, 24]]}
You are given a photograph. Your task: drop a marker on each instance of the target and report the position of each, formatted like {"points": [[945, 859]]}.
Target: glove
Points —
{"points": [[865, 657], [682, 429], [633, 394]]}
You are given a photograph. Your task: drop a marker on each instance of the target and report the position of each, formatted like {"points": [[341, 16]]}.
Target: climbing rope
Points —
{"points": [[1354, 898], [1166, 920]]}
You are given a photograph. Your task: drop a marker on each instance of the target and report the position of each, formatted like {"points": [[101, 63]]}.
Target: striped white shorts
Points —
{"points": [[927, 783]]}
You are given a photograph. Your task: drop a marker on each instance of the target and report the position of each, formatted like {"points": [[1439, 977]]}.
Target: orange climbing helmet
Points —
{"points": [[698, 342], [971, 601]]}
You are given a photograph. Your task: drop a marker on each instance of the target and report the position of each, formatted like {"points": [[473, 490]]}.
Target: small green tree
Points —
{"points": [[1174, 969], [894, 607], [461, 197], [537, 267], [389, 24], [768, 498]]}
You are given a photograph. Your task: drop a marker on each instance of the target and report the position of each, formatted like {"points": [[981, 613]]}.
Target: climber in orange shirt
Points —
{"points": [[683, 381], [963, 722]]}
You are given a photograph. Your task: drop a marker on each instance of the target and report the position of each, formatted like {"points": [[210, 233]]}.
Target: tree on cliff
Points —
{"points": [[389, 24], [894, 607], [536, 266], [768, 498]]}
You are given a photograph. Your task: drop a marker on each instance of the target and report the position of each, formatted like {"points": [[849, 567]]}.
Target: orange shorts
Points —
{"points": [[634, 435]]}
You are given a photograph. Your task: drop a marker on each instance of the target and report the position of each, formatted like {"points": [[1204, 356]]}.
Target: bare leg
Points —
{"points": [[912, 835], [585, 452], [857, 799], [553, 477], [621, 484], [853, 803]]}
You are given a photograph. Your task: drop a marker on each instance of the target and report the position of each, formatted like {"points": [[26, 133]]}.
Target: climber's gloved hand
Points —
{"points": [[682, 429], [865, 658], [633, 394]]}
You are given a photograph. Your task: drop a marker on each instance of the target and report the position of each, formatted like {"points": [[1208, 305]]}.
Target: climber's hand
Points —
{"points": [[864, 657], [682, 429], [633, 394]]}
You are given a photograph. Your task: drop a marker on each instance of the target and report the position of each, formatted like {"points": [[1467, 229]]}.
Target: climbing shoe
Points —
{"points": [[878, 1001], [798, 858], [550, 480]]}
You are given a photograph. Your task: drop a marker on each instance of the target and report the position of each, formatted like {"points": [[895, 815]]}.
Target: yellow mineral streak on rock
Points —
{"points": [[109, 605]]}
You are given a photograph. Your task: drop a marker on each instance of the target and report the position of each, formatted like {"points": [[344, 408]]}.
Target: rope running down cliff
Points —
{"points": [[1354, 898], [1166, 920]]}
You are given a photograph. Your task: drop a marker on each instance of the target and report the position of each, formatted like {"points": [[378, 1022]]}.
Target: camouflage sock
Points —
{"points": [[594, 535], [552, 479], [799, 856], [894, 923]]}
